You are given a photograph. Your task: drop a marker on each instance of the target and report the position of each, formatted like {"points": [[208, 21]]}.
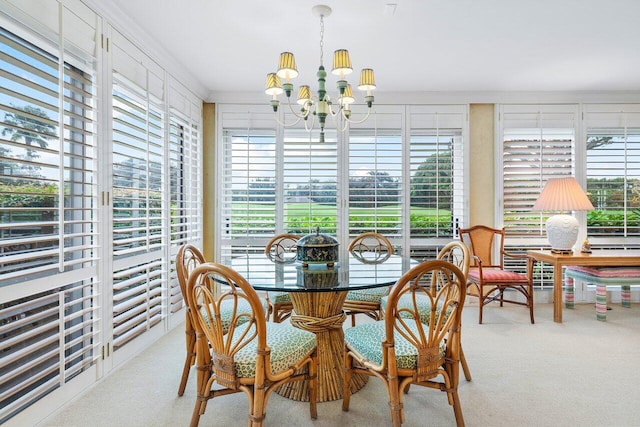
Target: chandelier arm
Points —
{"points": [[299, 115], [282, 123], [330, 107], [345, 125], [308, 127], [358, 121]]}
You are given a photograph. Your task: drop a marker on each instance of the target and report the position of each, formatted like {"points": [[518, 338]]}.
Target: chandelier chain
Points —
{"points": [[321, 39]]}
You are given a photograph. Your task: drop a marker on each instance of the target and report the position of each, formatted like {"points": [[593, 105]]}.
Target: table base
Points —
{"points": [[321, 313]]}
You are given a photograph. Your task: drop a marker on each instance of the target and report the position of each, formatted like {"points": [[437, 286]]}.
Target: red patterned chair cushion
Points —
{"points": [[490, 275]]}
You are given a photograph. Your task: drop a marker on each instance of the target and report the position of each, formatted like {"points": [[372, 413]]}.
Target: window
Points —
{"points": [[67, 201], [538, 143], [375, 176], [47, 183], [436, 187], [613, 174], [185, 191], [248, 176], [356, 181], [310, 186], [139, 191], [48, 328]]}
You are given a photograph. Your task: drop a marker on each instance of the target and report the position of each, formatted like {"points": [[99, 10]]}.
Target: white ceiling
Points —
{"points": [[426, 45]]}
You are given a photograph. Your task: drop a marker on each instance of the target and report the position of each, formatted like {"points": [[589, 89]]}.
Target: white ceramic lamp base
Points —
{"points": [[562, 233]]}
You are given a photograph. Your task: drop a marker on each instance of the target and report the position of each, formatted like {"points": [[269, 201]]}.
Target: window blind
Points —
{"points": [[139, 191], [375, 176], [48, 335], [310, 182], [185, 192], [436, 165], [355, 181], [613, 173], [538, 143], [247, 199], [47, 186]]}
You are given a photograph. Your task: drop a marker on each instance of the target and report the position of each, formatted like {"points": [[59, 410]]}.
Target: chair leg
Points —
{"points": [[190, 359], [395, 407], [465, 367], [188, 363], [457, 409], [531, 305], [257, 410], [346, 385], [313, 386], [197, 411], [269, 311]]}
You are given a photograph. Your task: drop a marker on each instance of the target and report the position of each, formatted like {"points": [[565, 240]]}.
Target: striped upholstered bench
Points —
{"points": [[602, 277]]}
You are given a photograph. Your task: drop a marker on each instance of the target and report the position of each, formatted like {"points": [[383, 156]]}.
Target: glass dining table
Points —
{"points": [[317, 294]]}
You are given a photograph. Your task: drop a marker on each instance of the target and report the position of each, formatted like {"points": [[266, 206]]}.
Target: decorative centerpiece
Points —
{"points": [[317, 248], [317, 277]]}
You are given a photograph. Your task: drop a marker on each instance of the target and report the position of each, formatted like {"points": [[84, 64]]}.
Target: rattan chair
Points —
{"points": [[280, 249], [402, 350], [187, 259], [487, 278], [369, 248], [457, 253], [247, 353]]}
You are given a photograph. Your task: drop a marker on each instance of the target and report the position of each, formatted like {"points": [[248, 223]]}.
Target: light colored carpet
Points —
{"points": [[578, 373]]}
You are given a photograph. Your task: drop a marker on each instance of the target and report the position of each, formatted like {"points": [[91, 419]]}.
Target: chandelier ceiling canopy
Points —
{"points": [[320, 105]]}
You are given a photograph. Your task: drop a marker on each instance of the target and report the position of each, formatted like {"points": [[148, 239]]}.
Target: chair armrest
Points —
{"points": [[529, 259], [512, 255], [478, 262]]}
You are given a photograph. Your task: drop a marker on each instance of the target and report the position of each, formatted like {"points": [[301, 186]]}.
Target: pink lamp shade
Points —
{"points": [[562, 194]]}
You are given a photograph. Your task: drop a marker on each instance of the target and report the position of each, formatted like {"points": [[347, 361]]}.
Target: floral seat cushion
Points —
{"points": [[288, 345], [368, 295], [367, 339]]}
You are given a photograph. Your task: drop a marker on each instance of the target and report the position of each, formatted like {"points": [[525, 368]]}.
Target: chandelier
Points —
{"points": [[320, 105]]}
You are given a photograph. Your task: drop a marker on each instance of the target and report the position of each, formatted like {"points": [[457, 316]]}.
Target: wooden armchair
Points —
{"points": [[457, 253], [401, 349], [280, 249], [487, 278], [246, 354], [188, 259], [369, 248]]}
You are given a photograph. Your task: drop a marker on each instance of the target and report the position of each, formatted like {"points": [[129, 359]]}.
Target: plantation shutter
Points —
{"points": [[538, 143], [30, 229], [48, 304], [436, 187], [613, 173], [310, 174], [138, 186], [185, 183], [248, 180], [375, 175]]}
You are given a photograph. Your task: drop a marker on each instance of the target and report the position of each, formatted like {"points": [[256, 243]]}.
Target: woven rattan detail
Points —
{"points": [[225, 370]]}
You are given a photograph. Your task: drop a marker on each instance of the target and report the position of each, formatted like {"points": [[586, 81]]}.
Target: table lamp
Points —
{"points": [[562, 194]]}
